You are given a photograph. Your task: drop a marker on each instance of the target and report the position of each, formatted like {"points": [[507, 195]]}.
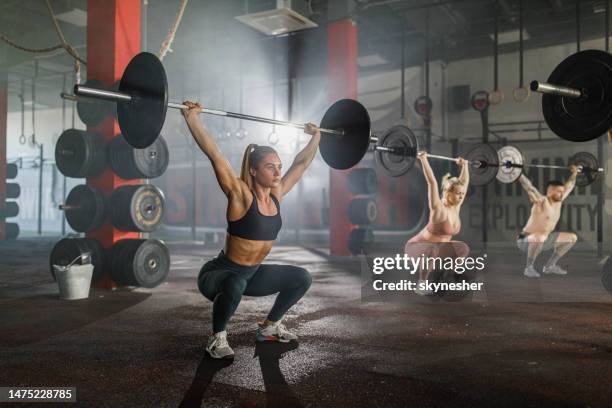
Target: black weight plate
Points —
{"points": [[581, 119], [130, 163], [343, 152], [152, 161], [11, 171], [11, 230], [141, 119], [140, 262], [589, 164], [402, 138], [92, 111], [13, 190], [137, 208], [151, 263], [84, 208], [11, 209], [147, 208], [486, 171], [363, 181], [67, 249], [80, 154], [359, 238], [362, 211], [606, 275], [121, 159]]}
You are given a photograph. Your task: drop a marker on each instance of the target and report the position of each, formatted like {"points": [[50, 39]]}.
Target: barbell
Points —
{"points": [[399, 150], [142, 103], [577, 97]]}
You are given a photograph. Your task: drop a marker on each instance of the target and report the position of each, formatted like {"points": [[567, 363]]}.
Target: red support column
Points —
{"points": [[3, 119], [342, 83], [113, 38]]}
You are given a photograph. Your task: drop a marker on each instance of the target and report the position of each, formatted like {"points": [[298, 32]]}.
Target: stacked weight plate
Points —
{"points": [[140, 262]]}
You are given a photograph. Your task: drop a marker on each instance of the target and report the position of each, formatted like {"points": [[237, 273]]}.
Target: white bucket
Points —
{"points": [[74, 281]]}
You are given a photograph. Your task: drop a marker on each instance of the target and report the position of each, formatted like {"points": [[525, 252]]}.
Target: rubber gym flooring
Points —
{"points": [[145, 347]]}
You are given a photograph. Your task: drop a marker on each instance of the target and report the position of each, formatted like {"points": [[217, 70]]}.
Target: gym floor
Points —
{"points": [[145, 347]]}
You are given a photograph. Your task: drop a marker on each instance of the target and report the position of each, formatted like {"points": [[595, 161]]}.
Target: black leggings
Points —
{"points": [[224, 282]]}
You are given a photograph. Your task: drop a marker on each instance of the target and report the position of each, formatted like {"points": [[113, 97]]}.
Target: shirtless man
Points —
{"points": [[545, 213]]}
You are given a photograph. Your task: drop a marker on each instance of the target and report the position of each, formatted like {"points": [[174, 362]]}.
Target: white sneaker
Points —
{"points": [[554, 269], [423, 292], [275, 332], [218, 346], [531, 272]]}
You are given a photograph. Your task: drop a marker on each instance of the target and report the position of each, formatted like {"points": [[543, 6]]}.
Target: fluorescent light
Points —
{"points": [[371, 60], [508, 37], [75, 17]]}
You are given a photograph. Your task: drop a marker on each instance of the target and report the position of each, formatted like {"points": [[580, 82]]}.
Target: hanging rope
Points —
{"points": [[32, 50], [172, 32], [69, 48]]}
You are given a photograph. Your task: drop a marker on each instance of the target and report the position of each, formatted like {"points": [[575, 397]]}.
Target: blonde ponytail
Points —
{"points": [[448, 182]]}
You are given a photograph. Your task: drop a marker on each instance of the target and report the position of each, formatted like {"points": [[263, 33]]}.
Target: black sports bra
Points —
{"points": [[254, 225]]}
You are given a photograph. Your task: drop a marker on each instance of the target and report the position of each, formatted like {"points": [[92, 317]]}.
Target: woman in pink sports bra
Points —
{"points": [[444, 221]]}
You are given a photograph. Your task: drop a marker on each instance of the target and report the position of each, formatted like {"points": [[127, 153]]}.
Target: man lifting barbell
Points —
{"points": [[254, 220], [537, 235]]}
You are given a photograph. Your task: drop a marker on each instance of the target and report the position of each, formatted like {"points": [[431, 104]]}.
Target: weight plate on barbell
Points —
{"points": [[507, 156], [345, 151], [486, 155], [581, 119], [142, 119], [589, 164], [84, 208], [405, 141]]}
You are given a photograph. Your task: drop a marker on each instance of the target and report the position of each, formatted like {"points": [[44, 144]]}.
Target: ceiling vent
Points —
{"points": [[287, 17]]}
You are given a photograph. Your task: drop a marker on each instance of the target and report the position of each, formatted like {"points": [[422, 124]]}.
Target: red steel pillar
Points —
{"points": [[342, 83], [113, 38]]}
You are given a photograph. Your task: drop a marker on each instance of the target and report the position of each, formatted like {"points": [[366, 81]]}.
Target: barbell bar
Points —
{"points": [[81, 90]]}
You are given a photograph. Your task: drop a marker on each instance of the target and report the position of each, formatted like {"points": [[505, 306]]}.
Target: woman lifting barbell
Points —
{"points": [[435, 240], [254, 220]]}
